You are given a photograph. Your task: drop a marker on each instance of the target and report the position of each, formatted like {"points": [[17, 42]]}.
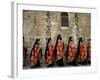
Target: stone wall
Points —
{"points": [[44, 24]]}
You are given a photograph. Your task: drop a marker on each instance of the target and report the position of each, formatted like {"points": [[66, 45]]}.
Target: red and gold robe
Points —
{"points": [[82, 53], [59, 53], [50, 55], [89, 51], [71, 53], [36, 54]]}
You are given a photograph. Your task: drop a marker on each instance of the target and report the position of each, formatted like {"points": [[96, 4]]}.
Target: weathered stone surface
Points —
{"points": [[37, 24]]}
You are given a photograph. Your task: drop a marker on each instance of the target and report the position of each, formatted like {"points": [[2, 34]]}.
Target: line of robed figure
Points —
{"points": [[54, 55]]}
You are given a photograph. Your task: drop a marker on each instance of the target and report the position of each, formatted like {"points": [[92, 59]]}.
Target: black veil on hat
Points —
{"points": [[47, 47], [34, 46]]}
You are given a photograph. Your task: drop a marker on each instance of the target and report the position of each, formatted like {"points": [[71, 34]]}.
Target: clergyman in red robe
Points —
{"points": [[89, 51], [36, 54], [59, 51], [49, 53], [82, 52], [71, 52]]}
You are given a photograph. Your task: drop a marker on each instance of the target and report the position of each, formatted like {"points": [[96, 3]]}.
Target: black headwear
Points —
{"points": [[68, 43], [78, 48], [37, 40], [47, 47], [58, 37]]}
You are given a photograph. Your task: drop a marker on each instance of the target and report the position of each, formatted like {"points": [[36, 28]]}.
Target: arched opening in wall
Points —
{"points": [[64, 19]]}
